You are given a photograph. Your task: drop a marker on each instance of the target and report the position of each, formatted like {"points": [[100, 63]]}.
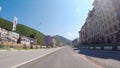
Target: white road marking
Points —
{"points": [[35, 58]]}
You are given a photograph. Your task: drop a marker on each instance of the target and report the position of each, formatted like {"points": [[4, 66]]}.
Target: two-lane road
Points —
{"points": [[64, 58], [13, 59]]}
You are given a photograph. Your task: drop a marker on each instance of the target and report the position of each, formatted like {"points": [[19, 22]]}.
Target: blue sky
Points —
{"points": [[57, 17]]}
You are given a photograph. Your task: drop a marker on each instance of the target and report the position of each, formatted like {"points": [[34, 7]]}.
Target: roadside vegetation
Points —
{"points": [[23, 30]]}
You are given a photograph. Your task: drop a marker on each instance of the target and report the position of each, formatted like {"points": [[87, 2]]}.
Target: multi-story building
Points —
{"points": [[102, 24], [75, 42], [27, 40], [54, 43], [47, 40], [83, 34], [50, 41]]}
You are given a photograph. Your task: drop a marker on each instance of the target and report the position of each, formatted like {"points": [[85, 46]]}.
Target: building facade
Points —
{"points": [[50, 41], [54, 43], [27, 40], [75, 42], [47, 40], [102, 24]]}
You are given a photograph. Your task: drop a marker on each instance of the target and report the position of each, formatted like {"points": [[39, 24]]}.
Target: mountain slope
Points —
{"points": [[61, 39], [22, 30]]}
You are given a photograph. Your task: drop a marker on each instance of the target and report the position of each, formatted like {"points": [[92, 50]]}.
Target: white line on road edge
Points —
{"points": [[35, 58]]}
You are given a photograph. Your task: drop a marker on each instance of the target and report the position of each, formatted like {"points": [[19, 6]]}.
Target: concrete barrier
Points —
{"points": [[98, 48], [118, 48], [91, 47], [87, 47], [108, 48]]}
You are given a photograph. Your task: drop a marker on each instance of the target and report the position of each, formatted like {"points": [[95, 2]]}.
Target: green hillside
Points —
{"points": [[22, 30], [61, 39]]}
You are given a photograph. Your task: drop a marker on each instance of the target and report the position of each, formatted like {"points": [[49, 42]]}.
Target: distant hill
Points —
{"points": [[22, 30], [61, 39]]}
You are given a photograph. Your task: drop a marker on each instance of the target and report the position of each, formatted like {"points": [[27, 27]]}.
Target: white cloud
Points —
{"points": [[70, 34], [0, 8], [77, 10]]}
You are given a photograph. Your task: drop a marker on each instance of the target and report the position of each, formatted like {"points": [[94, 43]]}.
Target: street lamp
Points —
{"points": [[37, 33], [0, 33]]}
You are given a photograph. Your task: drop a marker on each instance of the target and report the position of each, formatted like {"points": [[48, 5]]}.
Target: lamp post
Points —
{"points": [[0, 33], [37, 34]]}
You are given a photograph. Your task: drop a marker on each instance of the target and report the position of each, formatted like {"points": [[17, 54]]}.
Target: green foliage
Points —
{"points": [[61, 39], [5, 24], [23, 30]]}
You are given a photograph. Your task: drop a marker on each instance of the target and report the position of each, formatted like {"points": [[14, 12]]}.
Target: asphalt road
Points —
{"points": [[106, 59], [64, 58], [11, 59]]}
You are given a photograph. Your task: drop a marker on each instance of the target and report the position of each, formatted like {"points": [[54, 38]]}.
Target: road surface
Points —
{"points": [[11, 59], [64, 58], [106, 59]]}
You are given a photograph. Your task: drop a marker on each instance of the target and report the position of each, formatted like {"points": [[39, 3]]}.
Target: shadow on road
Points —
{"points": [[99, 53]]}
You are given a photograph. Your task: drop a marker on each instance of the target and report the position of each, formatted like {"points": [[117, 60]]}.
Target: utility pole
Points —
{"points": [[37, 32]]}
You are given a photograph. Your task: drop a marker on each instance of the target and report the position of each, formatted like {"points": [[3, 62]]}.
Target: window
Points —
{"points": [[109, 22], [115, 27], [102, 22], [118, 37], [106, 31], [112, 37], [105, 24], [119, 24], [113, 19], [110, 30], [103, 27], [118, 16]]}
